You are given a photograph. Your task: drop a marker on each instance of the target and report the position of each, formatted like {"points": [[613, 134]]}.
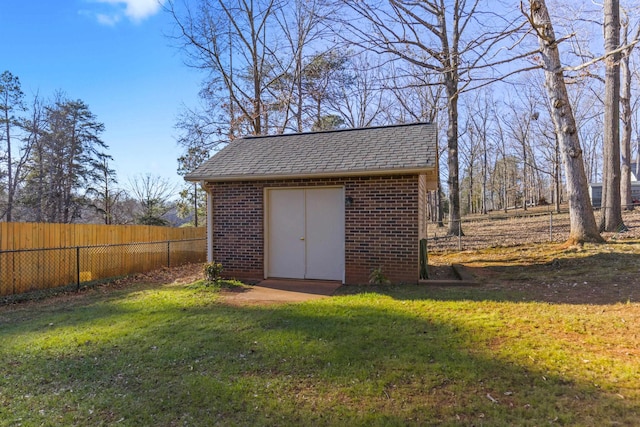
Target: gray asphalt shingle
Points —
{"points": [[375, 150]]}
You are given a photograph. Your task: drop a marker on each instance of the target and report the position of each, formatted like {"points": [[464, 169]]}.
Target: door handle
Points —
{"points": [[302, 238]]}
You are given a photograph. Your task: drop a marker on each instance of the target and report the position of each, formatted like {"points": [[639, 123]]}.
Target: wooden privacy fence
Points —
{"points": [[45, 256], [29, 235]]}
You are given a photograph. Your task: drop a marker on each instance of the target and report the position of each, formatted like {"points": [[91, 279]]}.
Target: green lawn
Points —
{"points": [[177, 355]]}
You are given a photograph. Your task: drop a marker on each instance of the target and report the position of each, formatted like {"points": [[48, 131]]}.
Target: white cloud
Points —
{"points": [[109, 20], [134, 10]]}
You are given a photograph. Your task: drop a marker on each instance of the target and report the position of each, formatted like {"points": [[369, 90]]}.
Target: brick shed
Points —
{"points": [[322, 205]]}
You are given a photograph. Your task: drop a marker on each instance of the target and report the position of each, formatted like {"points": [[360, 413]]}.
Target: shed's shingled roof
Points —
{"points": [[365, 151]]}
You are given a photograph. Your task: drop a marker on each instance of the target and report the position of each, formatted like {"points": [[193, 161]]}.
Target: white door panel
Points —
{"points": [[324, 234], [286, 233]]}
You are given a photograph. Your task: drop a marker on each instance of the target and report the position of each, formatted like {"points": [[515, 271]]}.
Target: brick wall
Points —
{"points": [[381, 226], [238, 229], [423, 204]]}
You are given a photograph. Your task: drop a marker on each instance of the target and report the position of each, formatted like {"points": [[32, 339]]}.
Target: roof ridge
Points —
{"points": [[336, 130]]}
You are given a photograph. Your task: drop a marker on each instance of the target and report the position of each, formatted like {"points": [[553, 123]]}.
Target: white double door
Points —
{"points": [[305, 229]]}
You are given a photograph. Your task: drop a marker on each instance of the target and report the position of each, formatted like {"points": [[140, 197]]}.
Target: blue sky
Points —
{"points": [[113, 55]]}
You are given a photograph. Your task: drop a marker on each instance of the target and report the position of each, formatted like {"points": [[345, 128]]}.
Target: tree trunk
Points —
{"points": [[556, 175], [455, 227], [300, 99], [484, 176], [525, 183], [257, 97], [505, 180], [625, 140], [471, 201], [611, 217], [10, 176], [439, 203], [230, 86], [582, 222]]}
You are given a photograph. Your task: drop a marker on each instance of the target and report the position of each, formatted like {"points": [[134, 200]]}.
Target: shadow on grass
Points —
{"points": [[91, 307], [361, 360], [603, 278]]}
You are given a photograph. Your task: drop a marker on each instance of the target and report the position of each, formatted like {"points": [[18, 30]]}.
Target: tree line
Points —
{"points": [[525, 116], [55, 166]]}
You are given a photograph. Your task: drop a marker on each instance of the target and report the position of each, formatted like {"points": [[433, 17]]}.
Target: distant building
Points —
{"points": [[595, 189]]}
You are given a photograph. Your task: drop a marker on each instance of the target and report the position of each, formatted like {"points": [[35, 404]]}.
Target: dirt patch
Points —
{"points": [[266, 296], [279, 291], [188, 273], [441, 272]]}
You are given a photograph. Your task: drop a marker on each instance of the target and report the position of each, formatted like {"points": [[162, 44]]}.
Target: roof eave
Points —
{"points": [[333, 174]]}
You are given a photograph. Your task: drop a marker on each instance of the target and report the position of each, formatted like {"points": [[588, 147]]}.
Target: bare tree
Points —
{"points": [[518, 124], [587, 106], [363, 101], [529, 128], [481, 115], [35, 127], [636, 118], [551, 152], [505, 169], [11, 102], [300, 23], [153, 194], [611, 212], [414, 97], [323, 78], [551, 156], [435, 35], [468, 153], [626, 113], [232, 41], [104, 194], [582, 222], [192, 198]]}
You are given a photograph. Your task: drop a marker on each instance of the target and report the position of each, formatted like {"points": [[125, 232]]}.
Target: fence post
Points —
{"points": [[168, 253], [460, 234], [551, 226], [77, 268]]}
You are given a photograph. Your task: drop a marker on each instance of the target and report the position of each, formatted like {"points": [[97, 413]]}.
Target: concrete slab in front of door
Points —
{"points": [[274, 291], [316, 287]]}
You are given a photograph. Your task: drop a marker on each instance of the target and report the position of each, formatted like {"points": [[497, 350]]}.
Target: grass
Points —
{"points": [[413, 355], [218, 285]]}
